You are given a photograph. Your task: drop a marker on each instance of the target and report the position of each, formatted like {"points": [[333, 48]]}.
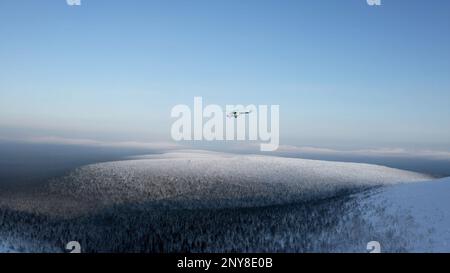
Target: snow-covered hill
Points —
{"points": [[199, 179], [200, 201]]}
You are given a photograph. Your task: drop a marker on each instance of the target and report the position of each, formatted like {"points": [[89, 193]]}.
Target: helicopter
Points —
{"points": [[236, 114]]}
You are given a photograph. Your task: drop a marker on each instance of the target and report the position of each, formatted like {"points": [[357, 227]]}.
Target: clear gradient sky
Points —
{"points": [[344, 73]]}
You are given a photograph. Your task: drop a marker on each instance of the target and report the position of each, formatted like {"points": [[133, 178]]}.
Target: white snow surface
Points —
{"points": [[420, 211], [199, 179]]}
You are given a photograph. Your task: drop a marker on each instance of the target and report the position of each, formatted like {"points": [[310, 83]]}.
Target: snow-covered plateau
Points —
{"points": [[195, 179], [198, 201]]}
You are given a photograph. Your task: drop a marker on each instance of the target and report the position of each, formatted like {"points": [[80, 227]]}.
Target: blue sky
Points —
{"points": [[344, 73]]}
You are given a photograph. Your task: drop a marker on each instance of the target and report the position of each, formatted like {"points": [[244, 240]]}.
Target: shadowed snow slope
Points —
{"points": [[418, 211], [198, 179]]}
